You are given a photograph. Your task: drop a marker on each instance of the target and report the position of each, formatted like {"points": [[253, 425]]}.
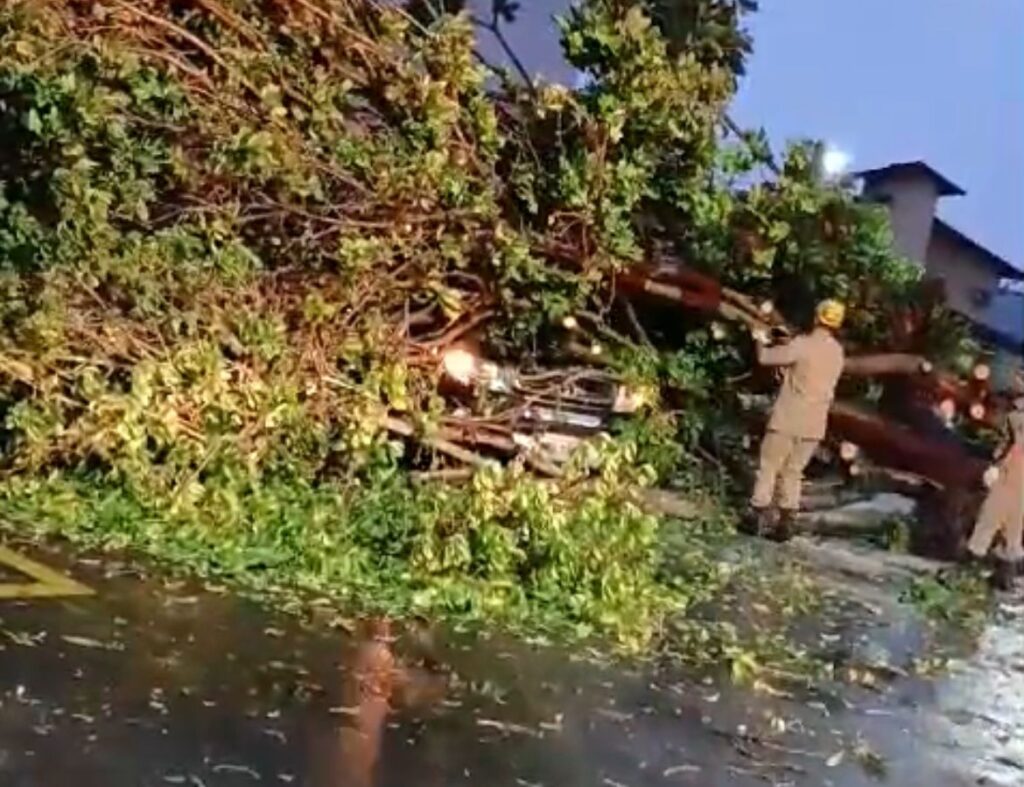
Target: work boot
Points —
{"points": [[986, 567], [756, 521], [785, 528], [1004, 574], [981, 564]]}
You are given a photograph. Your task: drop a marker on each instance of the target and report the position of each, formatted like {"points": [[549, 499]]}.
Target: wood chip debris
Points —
{"points": [[509, 727]]}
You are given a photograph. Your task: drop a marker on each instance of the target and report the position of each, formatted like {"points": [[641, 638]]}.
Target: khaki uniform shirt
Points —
{"points": [[813, 364], [1011, 470]]}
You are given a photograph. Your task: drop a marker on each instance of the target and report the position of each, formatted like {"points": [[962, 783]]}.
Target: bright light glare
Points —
{"points": [[835, 161], [460, 365]]}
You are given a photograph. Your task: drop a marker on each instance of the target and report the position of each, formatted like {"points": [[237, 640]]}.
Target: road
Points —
{"points": [[151, 681]]}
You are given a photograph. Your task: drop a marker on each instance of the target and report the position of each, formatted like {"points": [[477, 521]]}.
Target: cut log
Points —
{"points": [[942, 387], [883, 364], [848, 451], [899, 448], [868, 515], [664, 502], [888, 454], [691, 289], [819, 524], [450, 441], [682, 285], [872, 565], [873, 479], [762, 311], [816, 500], [439, 444], [728, 311]]}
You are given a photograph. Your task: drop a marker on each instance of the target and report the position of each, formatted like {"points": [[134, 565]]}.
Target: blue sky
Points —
{"points": [[886, 80], [898, 80]]}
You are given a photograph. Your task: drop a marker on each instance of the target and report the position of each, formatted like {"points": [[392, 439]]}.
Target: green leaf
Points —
{"points": [[33, 122]]}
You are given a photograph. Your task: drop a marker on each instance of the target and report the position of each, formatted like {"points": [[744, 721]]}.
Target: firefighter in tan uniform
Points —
{"points": [[812, 365], [1002, 513]]}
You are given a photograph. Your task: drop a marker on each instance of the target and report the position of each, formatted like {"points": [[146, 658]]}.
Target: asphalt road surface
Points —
{"points": [[148, 681]]}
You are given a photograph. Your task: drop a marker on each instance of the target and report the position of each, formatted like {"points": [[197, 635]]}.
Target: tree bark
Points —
{"points": [[894, 446], [874, 565], [885, 364]]}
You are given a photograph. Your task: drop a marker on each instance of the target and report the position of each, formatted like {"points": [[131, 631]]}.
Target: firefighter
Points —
{"points": [[1003, 510], [811, 365]]}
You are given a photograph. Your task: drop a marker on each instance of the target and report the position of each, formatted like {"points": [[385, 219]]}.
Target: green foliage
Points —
{"points": [[577, 556], [959, 597], [896, 535], [797, 240], [233, 243], [746, 622], [712, 31], [656, 441]]}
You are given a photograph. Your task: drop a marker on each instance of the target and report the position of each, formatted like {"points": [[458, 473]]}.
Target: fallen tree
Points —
{"points": [[239, 239]]}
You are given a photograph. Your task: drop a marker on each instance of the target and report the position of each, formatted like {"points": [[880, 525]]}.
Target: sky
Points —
{"points": [[886, 81]]}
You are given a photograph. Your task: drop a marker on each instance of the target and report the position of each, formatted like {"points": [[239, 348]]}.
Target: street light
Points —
{"points": [[835, 162]]}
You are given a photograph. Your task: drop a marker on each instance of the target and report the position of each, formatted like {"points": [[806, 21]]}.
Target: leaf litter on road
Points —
{"points": [[508, 727], [676, 770], [89, 642], [26, 639], [231, 768]]}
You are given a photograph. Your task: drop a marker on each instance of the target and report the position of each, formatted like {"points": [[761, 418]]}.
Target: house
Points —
{"points": [[980, 284]]}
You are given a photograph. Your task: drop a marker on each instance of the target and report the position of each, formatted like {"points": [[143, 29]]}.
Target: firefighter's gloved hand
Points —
{"points": [[991, 476]]}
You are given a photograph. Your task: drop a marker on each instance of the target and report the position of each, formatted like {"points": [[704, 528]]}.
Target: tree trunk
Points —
{"points": [[885, 364], [891, 445]]}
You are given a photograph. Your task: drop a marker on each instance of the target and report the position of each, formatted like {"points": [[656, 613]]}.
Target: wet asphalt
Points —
{"points": [[154, 682]]}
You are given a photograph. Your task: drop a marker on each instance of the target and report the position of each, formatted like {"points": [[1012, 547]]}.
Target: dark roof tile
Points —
{"points": [[946, 187], [1002, 266]]}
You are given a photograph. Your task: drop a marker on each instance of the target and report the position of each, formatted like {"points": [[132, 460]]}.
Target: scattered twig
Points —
{"points": [[508, 727], [243, 769], [461, 328], [494, 27], [740, 134], [439, 444], [635, 323], [450, 475]]}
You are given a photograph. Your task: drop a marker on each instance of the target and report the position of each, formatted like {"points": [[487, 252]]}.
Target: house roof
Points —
{"points": [[1008, 316], [1005, 324], [945, 186], [999, 264]]}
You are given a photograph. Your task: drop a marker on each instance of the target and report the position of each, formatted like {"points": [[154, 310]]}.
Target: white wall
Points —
{"points": [[911, 199], [966, 272]]}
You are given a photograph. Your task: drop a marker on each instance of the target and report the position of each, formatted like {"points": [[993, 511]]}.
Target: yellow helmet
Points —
{"points": [[831, 314]]}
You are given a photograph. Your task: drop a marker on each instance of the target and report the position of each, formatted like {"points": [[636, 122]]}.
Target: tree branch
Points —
{"points": [[494, 27]]}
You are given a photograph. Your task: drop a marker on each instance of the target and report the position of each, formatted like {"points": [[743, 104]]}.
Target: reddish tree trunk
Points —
{"points": [[885, 364], [892, 445]]}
